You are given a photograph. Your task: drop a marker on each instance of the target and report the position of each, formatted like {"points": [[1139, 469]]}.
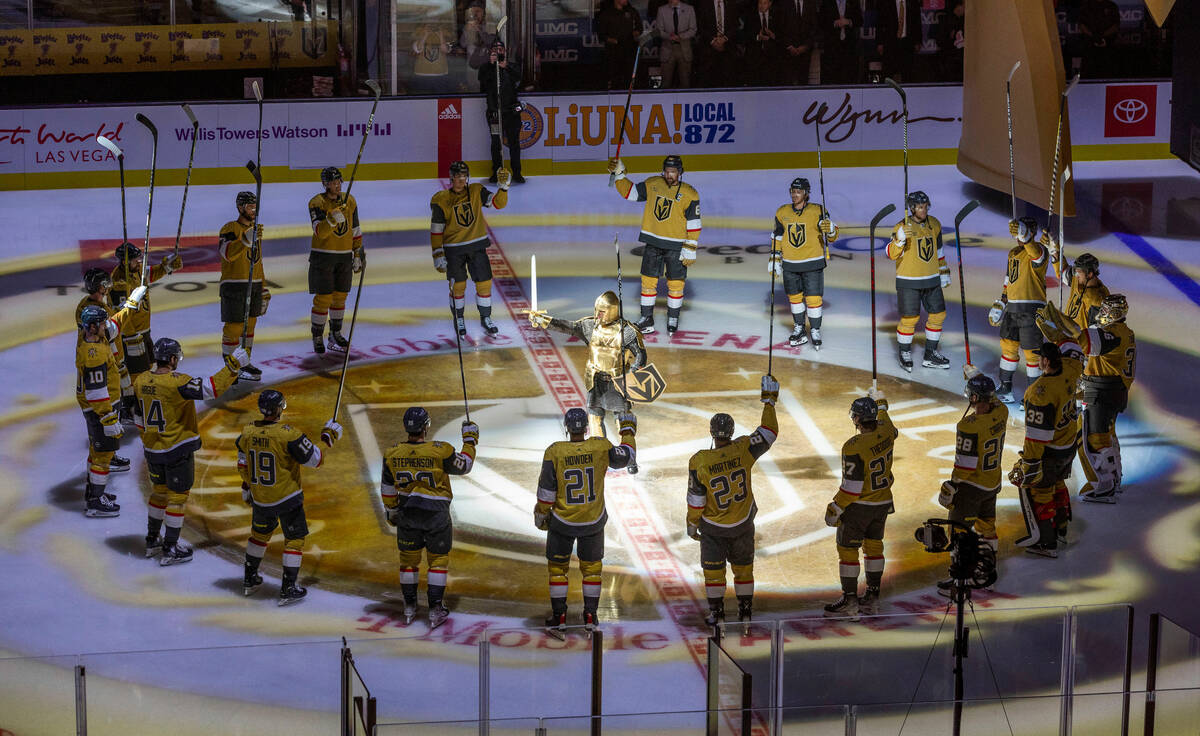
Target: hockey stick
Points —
{"points": [[1062, 104], [904, 111], [188, 179], [326, 437], [771, 326], [1012, 166], [821, 174], [372, 85], [255, 168], [115, 150], [887, 210], [637, 55], [621, 319], [499, 103], [1062, 249], [962, 287], [149, 207], [458, 342]]}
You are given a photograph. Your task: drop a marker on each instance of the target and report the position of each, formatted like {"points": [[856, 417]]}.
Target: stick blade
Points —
{"points": [[113, 148], [257, 90], [500, 26], [372, 85], [254, 171], [1066, 175], [146, 122], [887, 210], [1014, 70], [187, 109], [967, 209], [1071, 85], [899, 90]]}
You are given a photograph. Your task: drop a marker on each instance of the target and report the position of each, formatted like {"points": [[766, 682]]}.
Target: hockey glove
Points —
{"points": [[945, 277], [876, 395], [770, 390], [238, 358], [266, 300], [687, 254], [439, 260], [775, 265], [112, 425], [970, 371], [358, 260], [246, 496], [172, 263], [833, 514], [470, 433], [258, 233], [828, 227], [693, 531], [1025, 472], [616, 168], [503, 178], [336, 216], [539, 318], [134, 301], [331, 432], [1014, 228], [946, 497], [1048, 243], [393, 515], [627, 422], [996, 313], [541, 521], [1068, 274]]}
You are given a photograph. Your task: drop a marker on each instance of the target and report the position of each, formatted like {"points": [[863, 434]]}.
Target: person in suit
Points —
{"points": [[676, 24], [762, 28], [869, 64], [799, 25], [619, 26], [899, 36], [716, 49], [840, 21]]}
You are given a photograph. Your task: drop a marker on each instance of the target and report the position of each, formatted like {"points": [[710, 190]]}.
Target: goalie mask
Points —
{"points": [[1114, 308], [607, 308]]}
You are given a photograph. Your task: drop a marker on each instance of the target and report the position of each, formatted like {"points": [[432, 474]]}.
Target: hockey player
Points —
{"points": [[1051, 431], [921, 274], [337, 254], [605, 339], [1015, 312], [126, 277], [861, 506], [97, 391], [236, 239], [970, 494], [96, 282], [721, 507], [459, 238], [570, 509], [1087, 290], [166, 416], [670, 232], [799, 251], [270, 455], [416, 494]]}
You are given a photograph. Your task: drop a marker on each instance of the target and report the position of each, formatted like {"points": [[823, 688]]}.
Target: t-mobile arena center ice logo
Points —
{"points": [[1130, 110]]}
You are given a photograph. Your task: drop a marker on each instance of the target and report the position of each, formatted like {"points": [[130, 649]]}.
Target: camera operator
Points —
{"points": [[970, 494], [503, 109]]}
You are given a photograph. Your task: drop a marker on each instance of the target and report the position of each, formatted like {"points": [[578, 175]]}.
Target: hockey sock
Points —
{"points": [[714, 581], [743, 580], [484, 311], [815, 310], [438, 567], [848, 569], [873, 561], [930, 345], [590, 571], [649, 295], [154, 515], [796, 304], [1006, 376], [591, 604]]}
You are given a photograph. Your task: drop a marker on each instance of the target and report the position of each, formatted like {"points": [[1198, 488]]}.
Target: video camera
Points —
{"points": [[972, 561]]}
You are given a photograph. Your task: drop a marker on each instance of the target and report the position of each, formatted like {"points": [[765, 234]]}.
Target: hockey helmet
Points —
{"points": [[800, 183], [96, 279], [721, 427], [165, 348], [330, 173], [575, 420], [1114, 308], [270, 402], [416, 420], [915, 198], [980, 388], [245, 198], [673, 162], [864, 409], [459, 168], [128, 251], [1087, 262], [608, 309], [92, 314]]}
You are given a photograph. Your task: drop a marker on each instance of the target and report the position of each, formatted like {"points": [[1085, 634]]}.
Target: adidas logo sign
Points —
{"points": [[450, 112]]}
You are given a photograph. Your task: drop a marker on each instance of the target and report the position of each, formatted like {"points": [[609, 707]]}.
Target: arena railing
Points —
{"points": [[1172, 675]]}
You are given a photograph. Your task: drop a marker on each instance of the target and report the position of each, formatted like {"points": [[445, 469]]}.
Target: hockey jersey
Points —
{"points": [[920, 260], [571, 485], [1111, 351], [329, 237], [1025, 279], [1051, 415], [978, 447], [1084, 302], [802, 244], [417, 474], [719, 496], [671, 218], [166, 410], [270, 455], [123, 283], [97, 378], [867, 465], [457, 217], [234, 245]]}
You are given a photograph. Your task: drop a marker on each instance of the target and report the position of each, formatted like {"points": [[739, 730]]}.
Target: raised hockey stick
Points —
{"points": [[462, 373], [372, 85], [962, 286], [637, 55], [1012, 166], [115, 150], [326, 437], [904, 111], [1062, 248], [149, 207], [887, 210], [1062, 104], [771, 325], [255, 168], [621, 318], [188, 179]]}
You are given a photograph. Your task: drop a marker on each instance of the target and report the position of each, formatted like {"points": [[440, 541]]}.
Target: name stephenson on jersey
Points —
{"points": [[671, 218], [867, 465], [719, 496], [978, 447], [798, 236], [571, 485], [166, 410], [417, 474], [270, 456]]}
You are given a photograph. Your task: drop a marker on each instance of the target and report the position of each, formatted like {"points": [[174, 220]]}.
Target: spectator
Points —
{"points": [[840, 23], [799, 25], [504, 109], [764, 51], [473, 39], [619, 26], [676, 24], [716, 52], [869, 63], [951, 44], [899, 36], [1099, 21], [431, 70]]}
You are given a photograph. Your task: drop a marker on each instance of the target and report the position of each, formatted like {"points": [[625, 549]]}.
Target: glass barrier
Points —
{"points": [[750, 646], [37, 695], [633, 661], [1176, 675], [496, 727], [293, 688], [412, 677], [1102, 648], [530, 671]]}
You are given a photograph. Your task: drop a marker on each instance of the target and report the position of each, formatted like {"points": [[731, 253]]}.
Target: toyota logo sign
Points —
{"points": [[1130, 111]]}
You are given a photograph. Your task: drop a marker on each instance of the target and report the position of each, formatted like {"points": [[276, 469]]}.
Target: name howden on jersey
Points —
{"points": [[281, 132]]}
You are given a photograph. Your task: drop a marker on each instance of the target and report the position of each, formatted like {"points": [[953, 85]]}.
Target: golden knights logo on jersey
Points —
{"points": [[1014, 270], [662, 208], [797, 234], [340, 230], [464, 214], [925, 248]]}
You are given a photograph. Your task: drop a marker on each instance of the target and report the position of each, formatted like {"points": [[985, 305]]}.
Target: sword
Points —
{"points": [[533, 283]]}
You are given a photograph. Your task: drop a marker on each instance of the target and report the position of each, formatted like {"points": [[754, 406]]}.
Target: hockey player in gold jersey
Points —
{"points": [[861, 506], [126, 277], [1015, 312], [416, 495], [570, 509], [459, 238], [970, 494], [1051, 433], [670, 233], [721, 507], [166, 416], [98, 391], [606, 337], [1087, 290], [96, 282], [337, 254], [921, 274], [270, 456], [235, 241], [799, 252]]}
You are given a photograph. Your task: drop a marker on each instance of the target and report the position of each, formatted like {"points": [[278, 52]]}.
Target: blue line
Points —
{"points": [[1162, 264]]}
